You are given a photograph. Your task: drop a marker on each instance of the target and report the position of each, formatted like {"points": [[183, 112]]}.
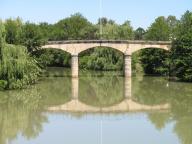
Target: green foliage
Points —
{"points": [[13, 30], [172, 24], [52, 57], [113, 31], [102, 59], [139, 33], [28, 34], [153, 61], [107, 58], [2, 37], [157, 61], [182, 49], [126, 31], [75, 27], [31, 37], [110, 31], [137, 67], [159, 30], [3, 84], [46, 31], [17, 68], [2, 40]]}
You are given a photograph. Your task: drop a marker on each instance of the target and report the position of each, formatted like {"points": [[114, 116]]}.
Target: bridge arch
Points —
{"points": [[135, 48], [101, 58], [54, 57], [58, 47], [102, 47], [152, 61], [148, 48], [119, 47]]}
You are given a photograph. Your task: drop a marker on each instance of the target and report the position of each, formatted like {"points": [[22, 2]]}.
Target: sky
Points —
{"points": [[141, 13]]}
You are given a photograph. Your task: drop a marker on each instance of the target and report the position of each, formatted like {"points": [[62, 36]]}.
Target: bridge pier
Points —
{"points": [[75, 88], [127, 88], [127, 65], [75, 66]]}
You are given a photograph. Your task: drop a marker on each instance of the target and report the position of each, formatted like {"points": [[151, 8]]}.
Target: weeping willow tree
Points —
{"points": [[17, 68], [2, 37]]}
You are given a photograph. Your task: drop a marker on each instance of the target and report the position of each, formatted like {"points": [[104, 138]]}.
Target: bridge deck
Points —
{"points": [[109, 41]]}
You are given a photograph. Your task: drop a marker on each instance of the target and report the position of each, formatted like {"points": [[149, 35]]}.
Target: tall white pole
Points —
{"points": [[100, 22]]}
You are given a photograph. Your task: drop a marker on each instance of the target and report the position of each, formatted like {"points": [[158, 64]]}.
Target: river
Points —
{"points": [[97, 108]]}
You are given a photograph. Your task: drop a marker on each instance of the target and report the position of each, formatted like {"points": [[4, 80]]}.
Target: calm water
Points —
{"points": [[97, 108]]}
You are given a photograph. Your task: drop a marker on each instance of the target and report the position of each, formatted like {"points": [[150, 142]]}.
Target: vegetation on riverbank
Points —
{"points": [[17, 68], [19, 63]]}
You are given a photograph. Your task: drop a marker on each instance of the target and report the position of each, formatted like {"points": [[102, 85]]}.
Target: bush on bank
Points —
{"points": [[17, 68]]}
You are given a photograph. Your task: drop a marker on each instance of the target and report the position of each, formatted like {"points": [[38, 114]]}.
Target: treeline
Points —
{"points": [[176, 63], [75, 27]]}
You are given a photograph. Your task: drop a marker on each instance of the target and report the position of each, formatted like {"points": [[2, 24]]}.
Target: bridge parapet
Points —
{"points": [[110, 41]]}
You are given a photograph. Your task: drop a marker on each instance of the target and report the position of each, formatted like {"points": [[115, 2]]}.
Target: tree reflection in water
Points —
{"points": [[23, 111], [20, 113], [153, 90], [101, 91]]}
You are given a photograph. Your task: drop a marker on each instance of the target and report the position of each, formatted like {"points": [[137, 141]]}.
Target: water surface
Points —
{"points": [[97, 108]]}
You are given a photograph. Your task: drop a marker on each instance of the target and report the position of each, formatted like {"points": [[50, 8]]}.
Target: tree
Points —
{"points": [[103, 21], [172, 24], [76, 27], [126, 31], [2, 44], [110, 31], [107, 58], [139, 33], [32, 37], [13, 30], [156, 61], [17, 68], [52, 57], [181, 51], [102, 59], [2, 37], [158, 31], [46, 30], [113, 31]]}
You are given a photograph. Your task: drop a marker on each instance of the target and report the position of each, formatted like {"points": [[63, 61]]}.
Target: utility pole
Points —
{"points": [[100, 21]]}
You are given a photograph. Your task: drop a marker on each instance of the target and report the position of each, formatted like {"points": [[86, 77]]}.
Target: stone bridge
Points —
{"points": [[127, 47]]}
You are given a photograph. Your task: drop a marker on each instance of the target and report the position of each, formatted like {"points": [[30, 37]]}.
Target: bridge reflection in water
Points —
{"points": [[127, 105]]}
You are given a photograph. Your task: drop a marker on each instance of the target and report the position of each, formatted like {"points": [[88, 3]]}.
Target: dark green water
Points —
{"points": [[25, 118]]}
